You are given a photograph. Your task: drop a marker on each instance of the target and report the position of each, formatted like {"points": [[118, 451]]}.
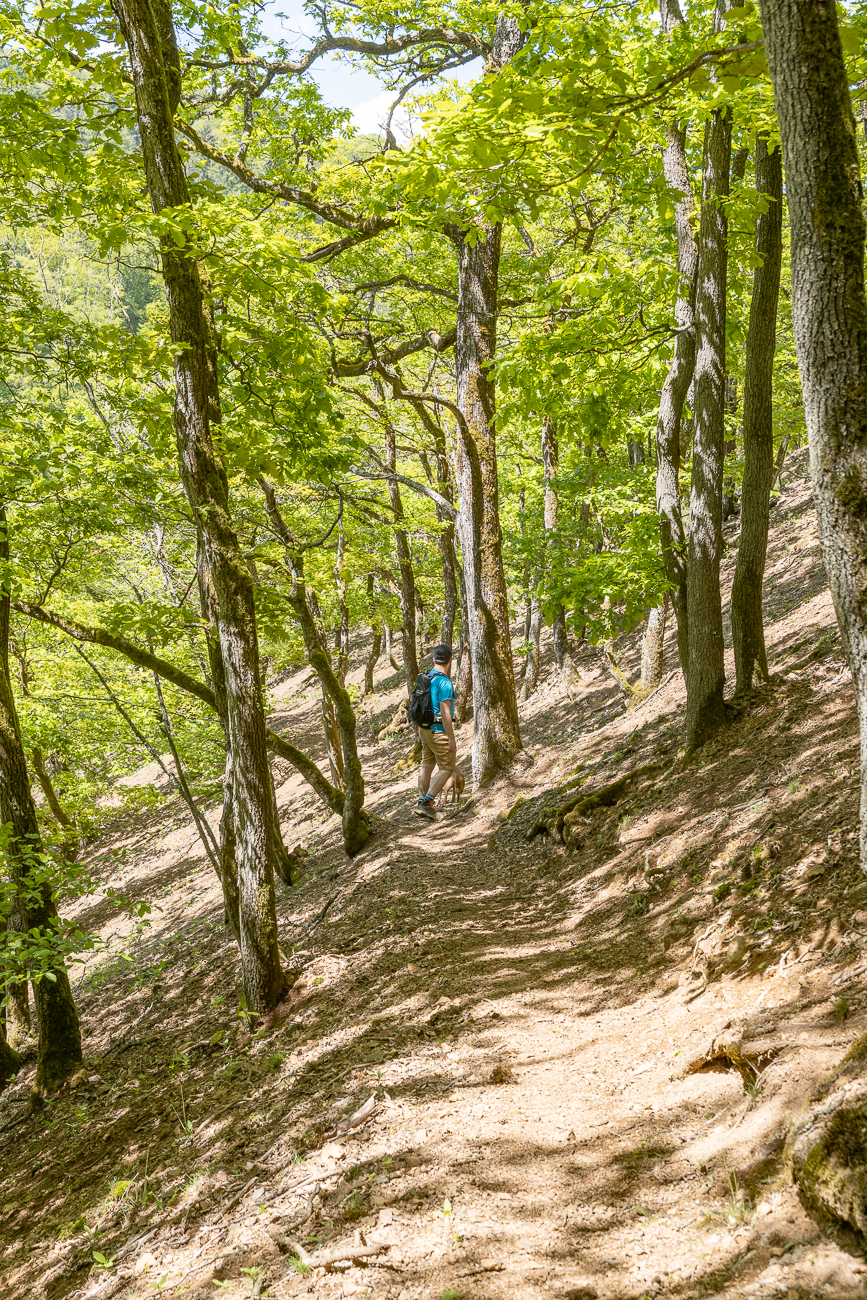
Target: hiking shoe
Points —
{"points": [[425, 808]]}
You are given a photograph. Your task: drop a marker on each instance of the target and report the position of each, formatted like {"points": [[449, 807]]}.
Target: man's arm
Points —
{"points": [[446, 715]]}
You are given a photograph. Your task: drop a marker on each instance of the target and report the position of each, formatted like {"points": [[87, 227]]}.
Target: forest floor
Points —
{"points": [[543, 1032]]}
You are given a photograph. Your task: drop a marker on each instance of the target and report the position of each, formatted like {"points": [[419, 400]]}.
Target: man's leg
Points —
{"points": [[439, 781], [424, 774]]}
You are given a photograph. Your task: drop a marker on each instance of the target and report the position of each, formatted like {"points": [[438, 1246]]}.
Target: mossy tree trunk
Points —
{"points": [[148, 31], [10, 1061], [825, 199], [748, 629], [59, 1053]]}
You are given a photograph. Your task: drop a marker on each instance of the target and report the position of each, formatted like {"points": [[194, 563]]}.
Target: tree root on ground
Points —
{"points": [[399, 722], [562, 822]]}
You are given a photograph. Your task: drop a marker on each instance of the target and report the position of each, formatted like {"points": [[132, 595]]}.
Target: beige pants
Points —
{"points": [[435, 749]]}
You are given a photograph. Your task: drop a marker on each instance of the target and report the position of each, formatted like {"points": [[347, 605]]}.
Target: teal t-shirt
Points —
{"points": [[440, 689]]}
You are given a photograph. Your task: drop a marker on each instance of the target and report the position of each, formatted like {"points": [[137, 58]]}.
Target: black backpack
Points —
{"points": [[420, 709]]}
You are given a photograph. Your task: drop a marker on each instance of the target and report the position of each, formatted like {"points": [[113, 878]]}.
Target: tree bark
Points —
{"points": [[372, 659], [10, 1061], [19, 1026], [748, 631], [343, 627], [497, 736], [356, 824], [404, 564], [823, 191], [464, 684], [447, 540], [560, 636], [653, 647], [59, 1053], [534, 642], [155, 67], [60, 815], [705, 679], [675, 389]]}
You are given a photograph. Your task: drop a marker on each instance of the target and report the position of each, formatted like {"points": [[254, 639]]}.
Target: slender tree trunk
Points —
{"points": [[534, 643], [404, 564], [705, 679], [464, 684], [57, 809], [372, 659], [781, 460], [560, 636], [228, 863], [155, 66], [59, 1053], [389, 649], [447, 541], [375, 644], [356, 827], [653, 647], [748, 631], [356, 824], [675, 389], [825, 198], [342, 639]]}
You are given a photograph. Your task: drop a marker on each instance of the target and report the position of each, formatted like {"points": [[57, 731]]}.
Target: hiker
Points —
{"points": [[431, 708]]}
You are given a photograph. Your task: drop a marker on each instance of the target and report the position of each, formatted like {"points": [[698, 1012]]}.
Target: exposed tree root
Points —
{"points": [[562, 822]]}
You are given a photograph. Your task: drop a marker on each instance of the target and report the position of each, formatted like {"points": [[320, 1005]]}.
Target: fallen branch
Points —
{"points": [[337, 1255]]}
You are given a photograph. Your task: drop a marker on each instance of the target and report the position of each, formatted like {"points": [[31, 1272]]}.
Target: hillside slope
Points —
{"points": [[584, 1060]]}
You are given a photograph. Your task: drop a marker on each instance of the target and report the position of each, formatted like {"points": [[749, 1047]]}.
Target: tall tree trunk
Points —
{"points": [[149, 34], [823, 191], [705, 679], [497, 735], [675, 389], [748, 630], [59, 1053], [560, 636], [464, 684]]}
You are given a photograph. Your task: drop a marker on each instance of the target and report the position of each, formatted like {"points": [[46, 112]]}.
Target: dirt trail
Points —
{"points": [[525, 1016]]}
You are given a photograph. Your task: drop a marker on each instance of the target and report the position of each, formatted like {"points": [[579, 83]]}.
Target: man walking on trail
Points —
{"points": [[437, 740]]}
